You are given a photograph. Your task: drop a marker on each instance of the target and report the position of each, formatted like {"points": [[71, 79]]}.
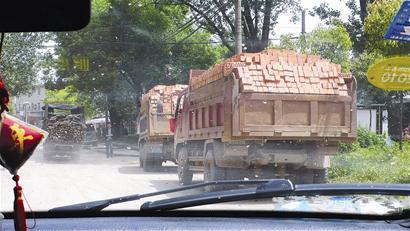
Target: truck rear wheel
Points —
{"points": [[147, 164], [320, 176], [184, 174], [141, 155], [311, 176], [141, 160], [212, 172]]}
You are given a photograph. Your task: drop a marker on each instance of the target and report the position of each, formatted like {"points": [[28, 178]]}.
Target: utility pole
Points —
{"points": [[401, 121], [303, 33], [303, 21], [108, 142], [238, 27], [25, 104]]}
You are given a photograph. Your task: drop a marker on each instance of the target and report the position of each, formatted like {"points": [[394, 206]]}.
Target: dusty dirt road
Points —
{"points": [[53, 183]]}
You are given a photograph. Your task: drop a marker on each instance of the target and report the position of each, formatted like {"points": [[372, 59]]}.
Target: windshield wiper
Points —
{"points": [[270, 190], [101, 204], [265, 189]]}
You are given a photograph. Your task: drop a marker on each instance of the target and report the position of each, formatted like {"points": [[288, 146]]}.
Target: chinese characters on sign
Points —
{"points": [[78, 63], [399, 28]]}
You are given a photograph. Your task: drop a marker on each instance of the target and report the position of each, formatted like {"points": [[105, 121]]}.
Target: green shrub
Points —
{"points": [[345, 147], [376, 163], [365, 138]]}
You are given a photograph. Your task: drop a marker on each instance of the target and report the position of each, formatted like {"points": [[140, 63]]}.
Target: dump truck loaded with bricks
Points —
{"points": [[156, 141], [269, 115]]}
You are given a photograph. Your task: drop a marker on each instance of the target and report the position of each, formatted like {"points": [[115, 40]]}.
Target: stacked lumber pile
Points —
{"points": [[66, 128], [279, 71], [163, 95]]}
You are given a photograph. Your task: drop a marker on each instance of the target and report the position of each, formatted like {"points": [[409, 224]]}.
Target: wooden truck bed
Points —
{"points": [[236, 116], [154, 117], [272, 95], [300, 116]]}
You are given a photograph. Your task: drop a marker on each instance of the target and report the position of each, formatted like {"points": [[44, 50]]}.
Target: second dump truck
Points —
{"points": [[273, 114], [156, 141], [65, 124]]}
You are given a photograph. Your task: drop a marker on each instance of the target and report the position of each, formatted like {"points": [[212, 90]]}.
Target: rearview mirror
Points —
{"points": [[44, 15]]}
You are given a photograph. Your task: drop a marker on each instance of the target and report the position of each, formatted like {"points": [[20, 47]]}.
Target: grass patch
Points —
{"points": [[371, 161]]}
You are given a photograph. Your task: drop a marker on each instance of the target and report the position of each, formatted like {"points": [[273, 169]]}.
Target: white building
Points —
{"points": [[373, 118], [30, 105]]}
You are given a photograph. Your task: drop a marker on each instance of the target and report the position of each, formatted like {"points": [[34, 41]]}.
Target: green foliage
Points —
{"points": [[370, 160], [381, 13], [330, 42], [345, 147], [373, 164], [60, 96], [130, 46], [365, 139], [354, 24], [21, 60], [70, 95], [286, 42], [195, 56], [366, 92], [325, 12], [259, 19]]}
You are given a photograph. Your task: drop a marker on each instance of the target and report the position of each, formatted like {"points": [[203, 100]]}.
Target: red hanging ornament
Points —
{"points": [[18, 140]]}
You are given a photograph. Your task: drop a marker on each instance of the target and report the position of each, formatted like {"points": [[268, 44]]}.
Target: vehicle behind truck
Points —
{"points": [[66, 126], [156, 140], [273, 114]]}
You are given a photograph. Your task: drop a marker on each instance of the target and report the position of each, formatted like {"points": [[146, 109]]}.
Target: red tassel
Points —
{"points": [[19, 212]]}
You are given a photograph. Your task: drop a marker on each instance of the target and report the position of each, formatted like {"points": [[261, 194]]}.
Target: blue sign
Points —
{"points": [[399, 28]]}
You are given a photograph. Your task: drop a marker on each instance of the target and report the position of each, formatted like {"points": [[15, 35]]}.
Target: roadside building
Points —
{"points": [[373, 117], [28, 106]]}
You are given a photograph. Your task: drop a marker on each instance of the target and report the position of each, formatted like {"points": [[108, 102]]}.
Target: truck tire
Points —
{"points": [[141, 161], [212, 172], [320, 176], [147, 164], [141, 156], [311, 176], [304, 176], [184, 174]]}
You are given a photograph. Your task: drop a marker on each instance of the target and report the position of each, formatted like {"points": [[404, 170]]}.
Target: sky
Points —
{"points": [[285, 26]]}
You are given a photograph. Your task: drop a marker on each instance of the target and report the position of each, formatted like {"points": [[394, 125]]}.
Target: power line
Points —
{"points": [[164, 43], [197, 18]]}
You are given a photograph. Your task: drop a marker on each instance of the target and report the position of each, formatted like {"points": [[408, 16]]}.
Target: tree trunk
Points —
{"points": [[117, 127], [253, 42]]}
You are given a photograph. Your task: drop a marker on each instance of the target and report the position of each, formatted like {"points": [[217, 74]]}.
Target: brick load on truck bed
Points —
{"points": [[273, 94], [157, 107], [276, 110], [155, 137]]}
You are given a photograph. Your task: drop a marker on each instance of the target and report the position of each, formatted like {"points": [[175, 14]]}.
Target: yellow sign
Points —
{"points": [[391, 74]]}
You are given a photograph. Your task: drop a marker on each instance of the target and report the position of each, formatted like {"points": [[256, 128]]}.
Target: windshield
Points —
{"points": [[152, 95]]}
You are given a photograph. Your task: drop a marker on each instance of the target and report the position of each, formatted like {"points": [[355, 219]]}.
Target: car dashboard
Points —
{"points": [[211, 220]]}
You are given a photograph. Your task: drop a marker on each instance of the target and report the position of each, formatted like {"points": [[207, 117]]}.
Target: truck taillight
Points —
{"points": [[172, 125]]}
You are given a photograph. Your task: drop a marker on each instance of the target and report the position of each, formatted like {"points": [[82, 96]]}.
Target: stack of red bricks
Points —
{"points": [[166, 95], [280, 71]]}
